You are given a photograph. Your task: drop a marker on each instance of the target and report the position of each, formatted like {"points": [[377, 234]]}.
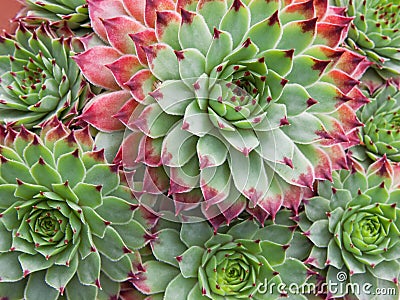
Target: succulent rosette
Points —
{"points": [[68, 226], [353, 225], [73, 13], [39, 78], [380, 135], [375, 32], [191, 261], [232, 86]]}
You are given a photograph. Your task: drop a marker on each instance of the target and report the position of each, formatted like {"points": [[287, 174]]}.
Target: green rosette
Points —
{"points": [[69, 229]]}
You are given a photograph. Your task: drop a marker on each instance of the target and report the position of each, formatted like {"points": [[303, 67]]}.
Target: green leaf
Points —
{"points": [[13, 290], [156, 278], [195, 293], [306, 70], [190, 261], [156, 123], [387, 270], [262, 9], [273, 253], [211, 151], [369, 284], [59, 276], [298, 35], [7, 196], [244, 230], [300, 247], [110, 289], [173, 97], [5, 238], [11, 170], [197, 121], [89, 269], [36, 150], [236, 21], [195, 234], [65, 192], [178, 147], [276, 84], [111, 245], [88, 195], [194, 32], [76, 290], [295, 98], [34, 263], [275, 233], [242, 140], [292, 271], [10, 269], [318, 257], [319, 233], [221, 47], [267, 33], [351, 263], [246, 51], [168, 246], [110, 142], [304, 120], [45, 175], [38, 289], [316, 208], [163, 62], [335, 217], [280, 61], [212, 12], [334, 255], [103, 175], [179, 288], [133, 234], [71, 168], [115, 210], [192, 65], [119, 270], [95, 221]]}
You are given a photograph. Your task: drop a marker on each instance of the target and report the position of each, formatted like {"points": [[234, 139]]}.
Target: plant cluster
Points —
{"points": [[200, 149]]}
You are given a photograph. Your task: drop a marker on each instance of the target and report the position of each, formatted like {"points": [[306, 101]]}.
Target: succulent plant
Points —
{"points": [[39, 79], [67, 223], [190, 262], [375, 32], [353, 225], [228, 98], [381, 133], [73, 13]]}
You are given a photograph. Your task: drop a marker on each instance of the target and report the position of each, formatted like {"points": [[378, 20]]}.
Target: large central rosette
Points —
{"points": [[220, 113]]}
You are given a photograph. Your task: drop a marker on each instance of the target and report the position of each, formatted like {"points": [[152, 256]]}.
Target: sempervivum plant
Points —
{"points": [[191, 262], [39, 79], [381, 133], [375, 32], [354, 226], [74, 13], [67, 224], [236, 84]]}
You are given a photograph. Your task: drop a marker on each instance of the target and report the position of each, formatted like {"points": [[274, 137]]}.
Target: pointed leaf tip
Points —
{"points": [[187, 16]]}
